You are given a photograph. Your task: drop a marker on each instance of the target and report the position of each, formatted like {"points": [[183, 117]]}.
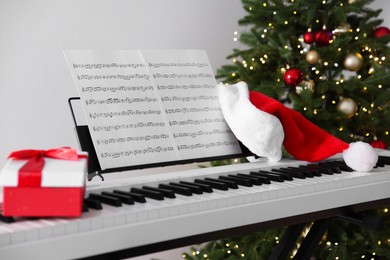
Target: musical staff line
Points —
{"points": [[208, 145], [108, 65], [200, 133], [191, 110], [192, 86], [177, 64], [110, 101], [195, 98], [127, 126], [196, 122], [117, 89], [128, 139], [118, 76], [129, 112], [147, 150], [180, 76]]}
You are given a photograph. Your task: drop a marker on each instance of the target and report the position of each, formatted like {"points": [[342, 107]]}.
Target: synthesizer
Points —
{"points": [[143, 214]]}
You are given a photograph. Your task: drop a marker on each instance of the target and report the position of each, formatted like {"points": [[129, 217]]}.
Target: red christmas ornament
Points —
{"points": [[324, 38], [293, 77], [309, 37], [378, 144], [381, 31]]}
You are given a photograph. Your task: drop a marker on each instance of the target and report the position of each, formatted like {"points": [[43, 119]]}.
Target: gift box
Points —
{"points": [[39, 183]]}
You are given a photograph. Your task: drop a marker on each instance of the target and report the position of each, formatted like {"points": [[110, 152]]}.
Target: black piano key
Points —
{"points": [[230, 184], [238, 180], [136, 196], [176, 189], [379, 164], [384, 159], [269, 175], [306, 173], [263, 178], [255, 180], [106, 199], [213, 184], [85, 207], [335, 169], [205, 187], [194, 189], [93, 204], [6, 219], [125, 199], [148, 193], [342, 166], [322, 170], [311, 171], [167, 193], [291, 173], [332, 165], [286, 176]]}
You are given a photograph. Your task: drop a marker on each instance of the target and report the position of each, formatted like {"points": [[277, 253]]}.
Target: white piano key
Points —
{"points": [[57, 226], [5, 236], [31, 231], [44, 230], [16, 232]]}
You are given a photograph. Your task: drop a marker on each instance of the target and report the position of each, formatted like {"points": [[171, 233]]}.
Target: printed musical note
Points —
{"points": [[117, 89], [159, 103]]}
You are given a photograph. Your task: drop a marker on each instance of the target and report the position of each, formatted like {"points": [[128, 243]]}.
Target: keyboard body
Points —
{"points": [[142, 228]]}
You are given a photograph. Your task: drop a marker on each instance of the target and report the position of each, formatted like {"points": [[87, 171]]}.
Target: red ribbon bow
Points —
{"points": [[30, 174]]}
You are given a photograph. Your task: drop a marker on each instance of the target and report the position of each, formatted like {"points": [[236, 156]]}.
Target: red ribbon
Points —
{"points": [[30, 174]]}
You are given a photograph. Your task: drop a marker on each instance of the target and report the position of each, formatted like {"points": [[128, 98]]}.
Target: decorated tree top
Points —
{"points": [[328, 59]]}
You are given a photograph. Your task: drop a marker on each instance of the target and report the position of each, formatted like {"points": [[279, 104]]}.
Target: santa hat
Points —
{"points": [[263, 125]]}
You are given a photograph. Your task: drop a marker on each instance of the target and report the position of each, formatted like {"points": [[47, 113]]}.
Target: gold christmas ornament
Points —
{"points": [[312, 57], [348, 107], [305, 85], [353, 61]]}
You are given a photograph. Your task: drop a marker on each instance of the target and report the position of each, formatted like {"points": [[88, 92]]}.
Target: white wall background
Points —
{"points": [[34, 79], [35, 82]]}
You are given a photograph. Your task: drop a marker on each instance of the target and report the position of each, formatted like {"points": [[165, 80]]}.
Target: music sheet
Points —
{"points": [[150, 106]]}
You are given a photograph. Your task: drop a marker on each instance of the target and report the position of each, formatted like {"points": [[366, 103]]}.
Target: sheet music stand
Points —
{"points": [[94, 168]]}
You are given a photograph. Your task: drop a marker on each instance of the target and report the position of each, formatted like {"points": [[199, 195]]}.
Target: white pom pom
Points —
{"points": [[360, 156]]}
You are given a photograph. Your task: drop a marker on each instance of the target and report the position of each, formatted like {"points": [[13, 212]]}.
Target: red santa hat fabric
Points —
{"points": [[302, 139]]}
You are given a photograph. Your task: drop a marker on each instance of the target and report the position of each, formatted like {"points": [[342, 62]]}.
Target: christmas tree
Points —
{"points": [[329, 60]]}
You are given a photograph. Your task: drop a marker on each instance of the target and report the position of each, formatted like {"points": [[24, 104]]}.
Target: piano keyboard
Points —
{"points": [[150, 209]]}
